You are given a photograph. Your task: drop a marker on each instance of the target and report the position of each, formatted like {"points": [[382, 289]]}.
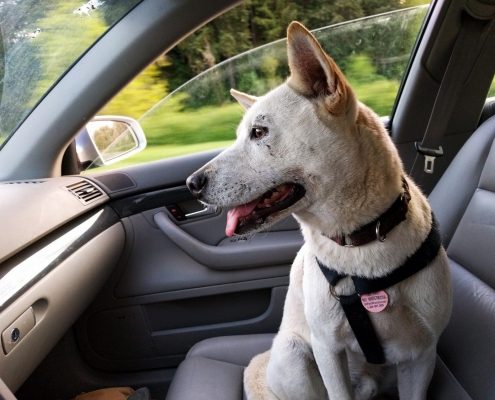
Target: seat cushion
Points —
{"points": [[213, 368]]}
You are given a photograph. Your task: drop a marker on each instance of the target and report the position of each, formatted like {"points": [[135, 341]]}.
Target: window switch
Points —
{"points": [[176, 212]]}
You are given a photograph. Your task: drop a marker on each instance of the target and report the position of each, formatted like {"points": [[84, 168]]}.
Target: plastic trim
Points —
{"points": [[277, 248]]}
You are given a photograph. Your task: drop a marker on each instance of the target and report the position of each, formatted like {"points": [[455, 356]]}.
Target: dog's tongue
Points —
{"points": [[238, 212]]}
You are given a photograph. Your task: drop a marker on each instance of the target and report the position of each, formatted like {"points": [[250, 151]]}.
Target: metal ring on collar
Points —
{"points": [[333, 293], [380, 238]]}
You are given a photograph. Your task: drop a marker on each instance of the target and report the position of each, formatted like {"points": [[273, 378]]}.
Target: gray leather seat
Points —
{"points": [[464, 203], [213, 368]]}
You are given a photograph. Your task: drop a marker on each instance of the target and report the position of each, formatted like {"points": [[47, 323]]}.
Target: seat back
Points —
{"points": [[464, 203]]}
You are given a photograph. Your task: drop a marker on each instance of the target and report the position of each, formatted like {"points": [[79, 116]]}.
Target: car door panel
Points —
{"points": [[180, 280], [153, 264]]}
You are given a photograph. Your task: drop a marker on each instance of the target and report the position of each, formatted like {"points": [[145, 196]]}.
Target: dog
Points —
{"points": [[309, 148]]}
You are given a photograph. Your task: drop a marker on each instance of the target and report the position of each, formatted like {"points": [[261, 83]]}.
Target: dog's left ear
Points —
{"points": [[314, 73], [244, 99]]}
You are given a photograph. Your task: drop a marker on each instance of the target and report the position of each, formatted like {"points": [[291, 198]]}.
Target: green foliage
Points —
{"points": [[372, 89], [112, 138], [41, 40], [491, 91], [169, 124], [256, 22], [373, 56], [153, 153], [141, 94], [55, 45]]}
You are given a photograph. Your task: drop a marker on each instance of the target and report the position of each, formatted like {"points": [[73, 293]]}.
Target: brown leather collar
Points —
{"points": [[381, 226]]}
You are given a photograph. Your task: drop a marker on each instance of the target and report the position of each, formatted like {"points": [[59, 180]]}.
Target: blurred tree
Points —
{"points": [[55, 44], [141, 94], [256, 22], [17, 19]]}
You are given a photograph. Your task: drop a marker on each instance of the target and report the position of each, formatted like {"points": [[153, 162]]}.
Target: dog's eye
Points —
{"points": [[257, 132]]}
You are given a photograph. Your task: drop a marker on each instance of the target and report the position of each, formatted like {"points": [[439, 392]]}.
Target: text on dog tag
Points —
{"points": [[375, 302]]}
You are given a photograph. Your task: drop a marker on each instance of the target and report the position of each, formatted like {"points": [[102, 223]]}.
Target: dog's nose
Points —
{"points": [[196, 183]]}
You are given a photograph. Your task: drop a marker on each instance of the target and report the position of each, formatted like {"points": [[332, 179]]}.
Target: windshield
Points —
{"points": [[39, 41]]}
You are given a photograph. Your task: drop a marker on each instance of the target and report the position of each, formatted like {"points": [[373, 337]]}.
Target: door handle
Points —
{"points": [[276, 248], [206, 210]]}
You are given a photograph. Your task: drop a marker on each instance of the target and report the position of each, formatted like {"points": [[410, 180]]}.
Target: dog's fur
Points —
{"points": [[321, 137]]}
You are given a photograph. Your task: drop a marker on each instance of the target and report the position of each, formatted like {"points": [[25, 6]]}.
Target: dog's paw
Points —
{"points": [[366, 388]]}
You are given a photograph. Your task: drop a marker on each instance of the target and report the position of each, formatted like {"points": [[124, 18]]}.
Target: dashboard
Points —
{"points": [[59, 243]]}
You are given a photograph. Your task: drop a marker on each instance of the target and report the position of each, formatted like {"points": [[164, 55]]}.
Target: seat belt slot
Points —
{"points": [[463, 55], [430, 155]]}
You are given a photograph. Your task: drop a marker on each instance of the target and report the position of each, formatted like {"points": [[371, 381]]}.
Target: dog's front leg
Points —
{"points": [[413, 377], [333, 369]]}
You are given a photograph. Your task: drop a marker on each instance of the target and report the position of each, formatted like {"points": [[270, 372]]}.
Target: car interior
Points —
{"points": [[121, 278]]}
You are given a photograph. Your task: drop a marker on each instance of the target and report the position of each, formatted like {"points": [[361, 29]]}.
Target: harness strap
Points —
{"points": [[356, 314], [413, 264], [363, 329]]}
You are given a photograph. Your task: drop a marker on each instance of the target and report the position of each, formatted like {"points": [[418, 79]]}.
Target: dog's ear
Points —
{"points": [[244, 99], [314, 73]]}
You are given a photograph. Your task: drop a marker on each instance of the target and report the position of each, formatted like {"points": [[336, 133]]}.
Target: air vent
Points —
{"points": [[85, 191]]}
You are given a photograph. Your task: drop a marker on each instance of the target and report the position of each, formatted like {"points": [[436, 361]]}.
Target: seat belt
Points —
{"points": [[460, 63]]}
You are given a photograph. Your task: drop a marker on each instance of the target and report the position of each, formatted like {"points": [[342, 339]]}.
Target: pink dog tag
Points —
{"points": [[375, 302]]}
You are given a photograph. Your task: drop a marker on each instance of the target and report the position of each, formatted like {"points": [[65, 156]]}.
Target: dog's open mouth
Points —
{"points": [[249, 216]]}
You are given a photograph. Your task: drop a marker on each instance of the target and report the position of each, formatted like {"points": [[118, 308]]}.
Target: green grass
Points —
{"points": [[173, 130], [378, 95], [153, 153], [172, 125]]}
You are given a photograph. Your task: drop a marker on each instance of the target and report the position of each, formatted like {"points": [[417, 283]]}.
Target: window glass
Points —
{"points": [[39, 41], [491, 91], [237, 50]]}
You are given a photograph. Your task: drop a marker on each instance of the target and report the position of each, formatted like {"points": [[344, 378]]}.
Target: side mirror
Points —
{"points": [[107, 139]]}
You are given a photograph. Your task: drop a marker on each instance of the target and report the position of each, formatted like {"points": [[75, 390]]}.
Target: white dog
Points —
{"points": [[310, 148]]}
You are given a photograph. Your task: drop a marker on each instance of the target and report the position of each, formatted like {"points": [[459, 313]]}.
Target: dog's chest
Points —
{"points": [[324, 313], [396, 327]]}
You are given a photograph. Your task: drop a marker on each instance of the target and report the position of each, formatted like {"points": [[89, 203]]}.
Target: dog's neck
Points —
{"points": [[379, 227], [354, 197], [360, 193], [334, 217]]}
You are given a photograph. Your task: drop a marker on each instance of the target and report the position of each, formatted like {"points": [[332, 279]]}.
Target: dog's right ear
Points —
{"points": [[244, 99], [314, 73]]}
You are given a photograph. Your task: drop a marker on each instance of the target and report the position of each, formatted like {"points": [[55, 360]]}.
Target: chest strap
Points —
{"points": [[356, 314]]}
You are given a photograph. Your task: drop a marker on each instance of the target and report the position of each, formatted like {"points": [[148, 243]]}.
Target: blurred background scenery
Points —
{"points": [[182, 99]]}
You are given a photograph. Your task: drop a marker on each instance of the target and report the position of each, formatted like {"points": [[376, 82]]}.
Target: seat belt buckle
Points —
{"points": [[430, 155]]}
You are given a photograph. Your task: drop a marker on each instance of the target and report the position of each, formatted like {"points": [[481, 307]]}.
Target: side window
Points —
{"points": [[182, 100], [491, 91]]}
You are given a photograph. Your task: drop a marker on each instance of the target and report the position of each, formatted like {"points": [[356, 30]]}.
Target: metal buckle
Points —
{"points": [[332, 292], [429, 164], [380, 238], [347, 241], [430, 156]]}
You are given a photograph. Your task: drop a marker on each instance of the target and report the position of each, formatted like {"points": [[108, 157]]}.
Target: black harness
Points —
{"points": [[355, 312]]}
